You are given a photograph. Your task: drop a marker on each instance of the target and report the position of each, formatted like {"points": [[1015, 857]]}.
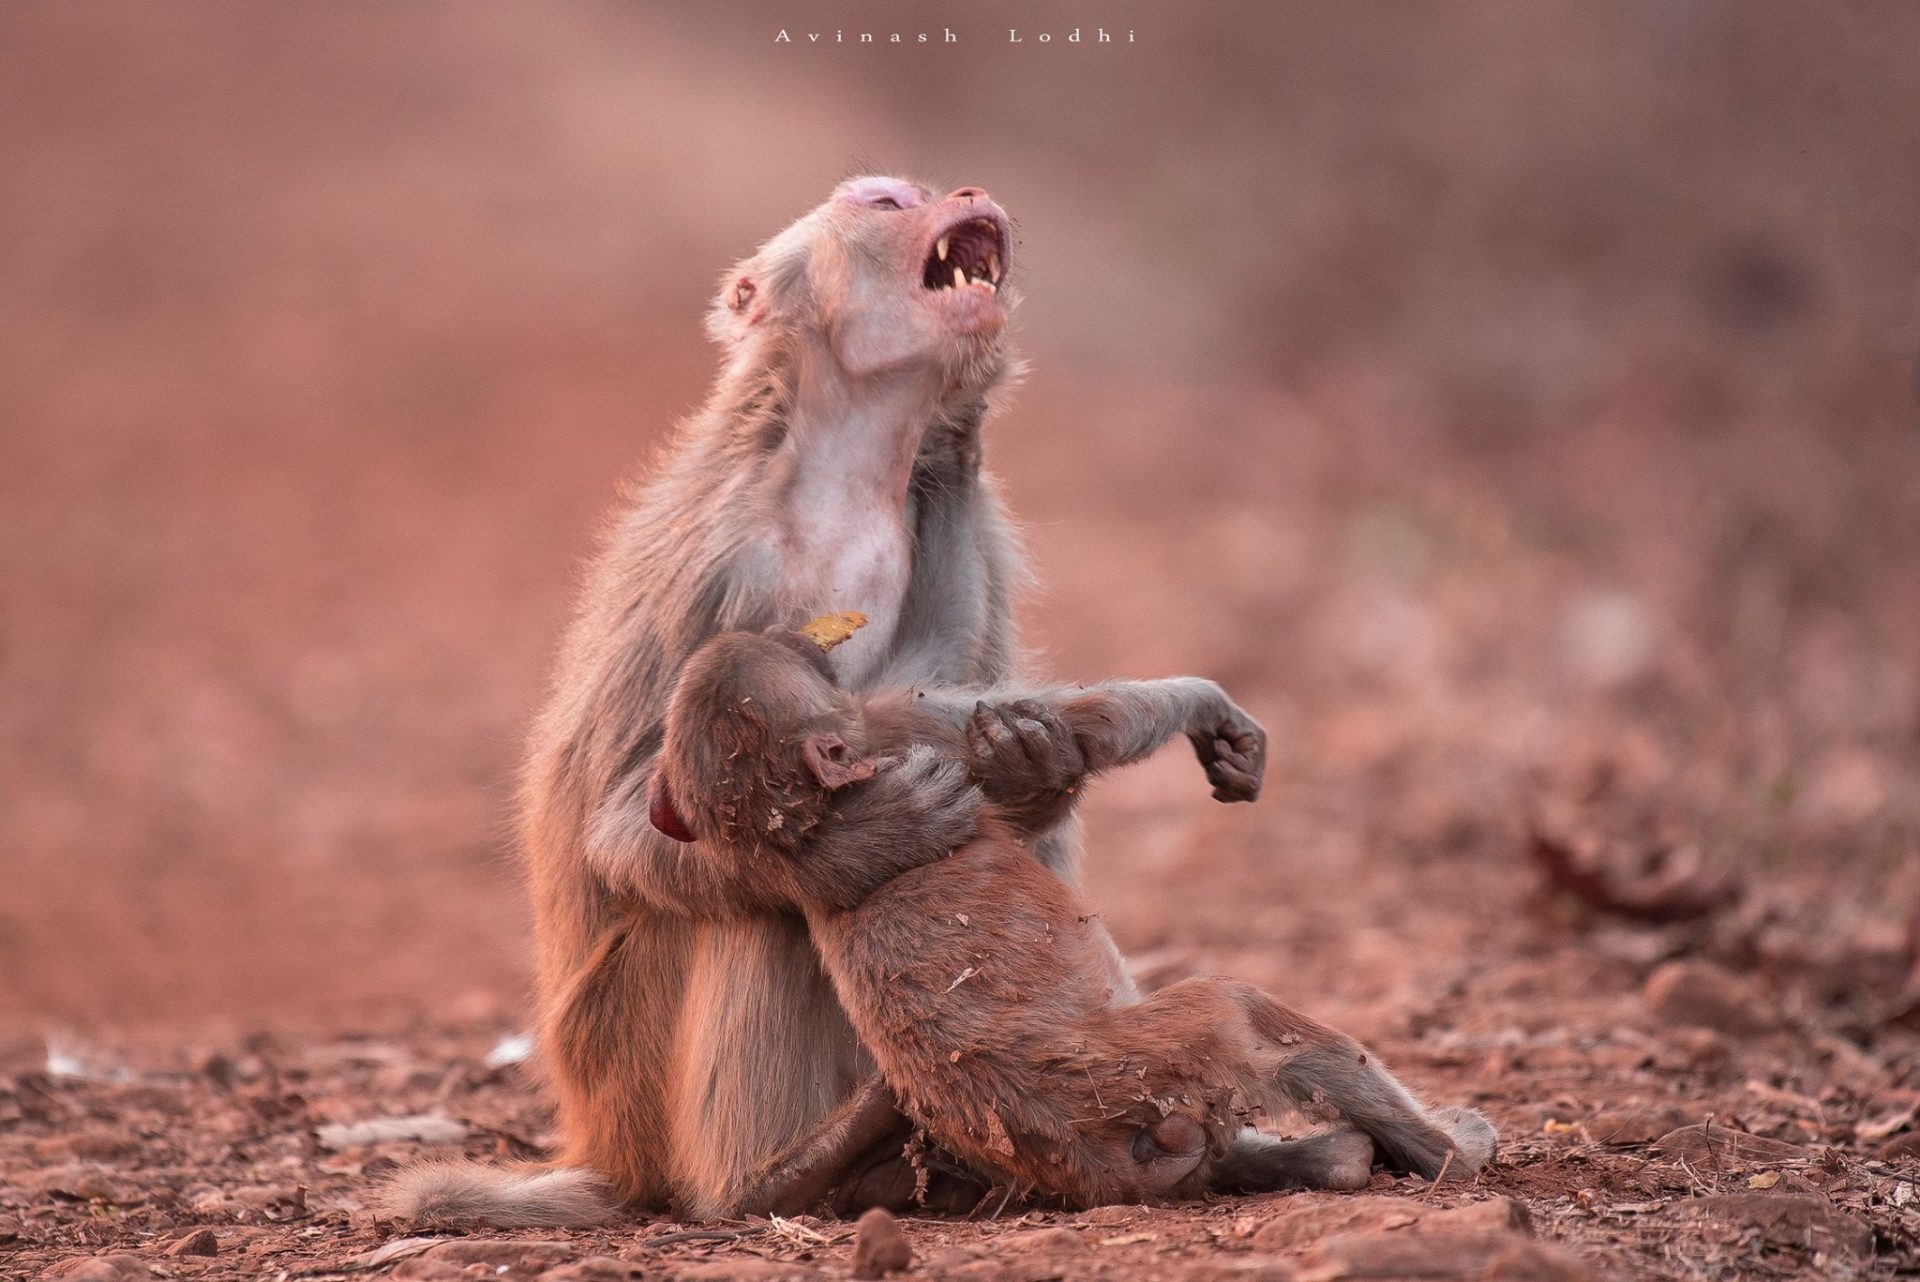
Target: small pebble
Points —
{"points": [[879, 1246], [198, 1242], [1704, 995], [1900, 1146]]}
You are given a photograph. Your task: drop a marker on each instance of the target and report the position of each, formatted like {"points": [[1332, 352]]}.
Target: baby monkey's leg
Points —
{"points": [[916, 810], [1278, 1058], [1312, 1067], [857, 1156], [1261, 1163], [802, 1174], [900, 1176]]}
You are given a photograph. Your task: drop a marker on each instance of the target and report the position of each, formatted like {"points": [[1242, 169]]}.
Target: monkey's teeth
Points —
{"points": [[993, 267], [959, 278], [941, 249]]}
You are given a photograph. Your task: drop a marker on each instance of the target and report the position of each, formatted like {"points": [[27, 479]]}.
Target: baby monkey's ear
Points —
{"points": [[661, 811], [832, 763]]}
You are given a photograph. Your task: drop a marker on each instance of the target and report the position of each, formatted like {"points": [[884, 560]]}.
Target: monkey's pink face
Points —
{"points": [[892, 275], [918, 278]]}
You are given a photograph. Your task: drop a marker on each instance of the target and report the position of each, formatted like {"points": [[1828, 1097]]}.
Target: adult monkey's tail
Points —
{"points": [[528, 1195]]}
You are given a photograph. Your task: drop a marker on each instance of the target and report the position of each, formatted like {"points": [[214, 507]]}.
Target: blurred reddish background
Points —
{"points": [[1500, 397]]}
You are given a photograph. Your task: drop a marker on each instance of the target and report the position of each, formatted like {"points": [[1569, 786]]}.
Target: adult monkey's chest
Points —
{"points": [[851, 550]]}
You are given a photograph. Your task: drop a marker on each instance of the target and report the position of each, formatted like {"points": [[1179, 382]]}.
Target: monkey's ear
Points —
{"points": [[740, 297], [734, 311], [833, 764], [661, 811], [764, 287], [742, 304]]}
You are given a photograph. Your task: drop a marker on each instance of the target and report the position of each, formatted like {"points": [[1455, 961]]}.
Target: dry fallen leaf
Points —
{"points": [[797, 1232], [1128, 1239], [397, 1249], [998, 1141], [420, 1129], [1875, 1131], [1685, 892], [829, 630], [1764, 1180]]}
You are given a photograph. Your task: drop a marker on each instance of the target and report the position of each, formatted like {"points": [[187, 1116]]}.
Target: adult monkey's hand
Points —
{"points": [[1026, 760]]}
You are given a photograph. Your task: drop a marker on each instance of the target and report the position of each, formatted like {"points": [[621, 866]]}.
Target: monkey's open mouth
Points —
{"points": [[973, 251]]}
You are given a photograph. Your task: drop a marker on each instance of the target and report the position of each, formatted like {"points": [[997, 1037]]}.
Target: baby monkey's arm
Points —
{"points": [[907, 810]]}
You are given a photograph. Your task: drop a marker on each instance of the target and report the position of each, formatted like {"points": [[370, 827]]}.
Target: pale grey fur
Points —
{"points": [[455, 1194]]}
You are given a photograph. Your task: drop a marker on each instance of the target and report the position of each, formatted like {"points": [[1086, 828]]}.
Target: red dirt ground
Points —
{"points": [[1545, 478]]}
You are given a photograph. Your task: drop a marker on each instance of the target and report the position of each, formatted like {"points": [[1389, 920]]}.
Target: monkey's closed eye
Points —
{"points": [[882, 193]]}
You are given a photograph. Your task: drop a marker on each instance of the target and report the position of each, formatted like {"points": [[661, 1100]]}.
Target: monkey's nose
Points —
{"points": [[969, 193]]}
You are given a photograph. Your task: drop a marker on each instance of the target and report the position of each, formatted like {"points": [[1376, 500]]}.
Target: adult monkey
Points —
{"points": [[686, 1026]]}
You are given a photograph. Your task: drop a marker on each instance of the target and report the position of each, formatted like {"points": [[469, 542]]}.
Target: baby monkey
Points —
{"points": [[1001, 1023]]}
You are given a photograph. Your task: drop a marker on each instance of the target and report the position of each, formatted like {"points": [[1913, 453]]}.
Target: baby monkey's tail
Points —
{"points": [[1328, 1068], [456, 1193]]}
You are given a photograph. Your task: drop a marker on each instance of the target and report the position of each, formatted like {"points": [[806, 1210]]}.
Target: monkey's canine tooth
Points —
{"points": [[959, 277], [941, 249], [993, 267]]}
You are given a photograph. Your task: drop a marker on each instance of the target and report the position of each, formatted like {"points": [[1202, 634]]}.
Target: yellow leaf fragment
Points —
{"points": [[829, 630]]}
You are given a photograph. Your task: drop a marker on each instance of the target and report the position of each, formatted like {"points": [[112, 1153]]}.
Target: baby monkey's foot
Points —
{"points": [[893, 1179], [1259, 1163], [1168, 1151]]}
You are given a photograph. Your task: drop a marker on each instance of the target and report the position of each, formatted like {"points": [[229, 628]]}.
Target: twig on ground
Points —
{"points": [[702, 1235], [1446, 1164]]}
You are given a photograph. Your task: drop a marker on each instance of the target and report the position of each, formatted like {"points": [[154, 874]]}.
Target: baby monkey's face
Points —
{"points": [[758, 737]]}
